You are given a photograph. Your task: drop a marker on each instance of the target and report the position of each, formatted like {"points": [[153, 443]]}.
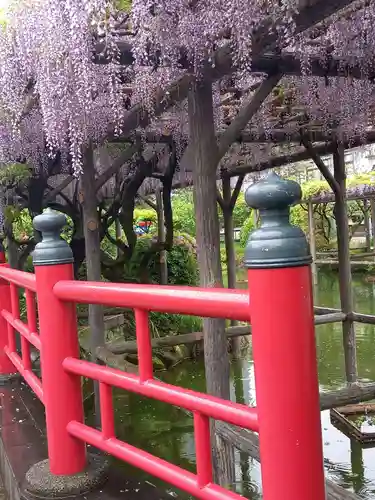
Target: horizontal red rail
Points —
{"points": [[206, 302], [216, 408], [19, 278], [18, 325], [30, 377], [151, 464]]}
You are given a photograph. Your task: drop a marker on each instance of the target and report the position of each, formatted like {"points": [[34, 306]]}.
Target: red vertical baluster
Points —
{"points": [[106, 408], [31, 318], [15, 314], [6, 366], [143, 345], [203, 449]]}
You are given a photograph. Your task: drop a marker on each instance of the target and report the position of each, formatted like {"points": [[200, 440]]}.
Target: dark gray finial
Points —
{"points": [[52, 249], [276, 243]]}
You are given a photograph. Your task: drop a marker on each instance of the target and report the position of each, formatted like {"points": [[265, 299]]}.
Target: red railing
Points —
{"points": [[11, 314], [61, 393], [206, 302]]}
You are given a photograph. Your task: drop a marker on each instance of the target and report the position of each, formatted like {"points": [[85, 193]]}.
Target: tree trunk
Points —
{"points": [[345, 274], [203, 141], [367, 225], [117, 222], [12, 247], [372, 207], [312, 243], [230, 253], [92, 238], [161, 238]]}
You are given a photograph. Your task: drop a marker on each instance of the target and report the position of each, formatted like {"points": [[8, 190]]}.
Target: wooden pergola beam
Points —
{"points": [[286, 63], [278, 161], [277, 136], [325, 198], [221, 63]]}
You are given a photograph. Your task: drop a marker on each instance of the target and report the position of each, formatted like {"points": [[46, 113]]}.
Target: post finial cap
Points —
{"points": [[53, 249], [273, 192], [277, 243]]}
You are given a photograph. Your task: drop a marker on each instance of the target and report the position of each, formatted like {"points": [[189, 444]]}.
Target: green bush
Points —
{"points": [[241, 212], [183, 211], [247, 227], [182, 261], [171, 324]]}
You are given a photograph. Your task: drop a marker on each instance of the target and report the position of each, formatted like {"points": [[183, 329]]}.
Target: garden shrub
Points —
{"points": [[247, 227], [182, 261]]}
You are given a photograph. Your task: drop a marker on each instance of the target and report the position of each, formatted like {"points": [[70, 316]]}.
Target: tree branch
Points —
{"points": [[220, 200], [52, 194], [167, 182], [67, 201], [148, 202], [236, 192], [245, 114], [116, 165], [233, 132], [321, 166]]}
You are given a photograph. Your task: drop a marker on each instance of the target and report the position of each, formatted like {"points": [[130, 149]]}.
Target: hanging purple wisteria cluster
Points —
{"points": [[54, 95]]}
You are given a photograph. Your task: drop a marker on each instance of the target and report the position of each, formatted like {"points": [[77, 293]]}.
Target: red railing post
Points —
{"points": [[53, 261], [6, 366], [287, 391], [2, 254]]}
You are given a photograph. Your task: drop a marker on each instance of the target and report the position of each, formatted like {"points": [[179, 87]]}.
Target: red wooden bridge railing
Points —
{"points": [[287, 417]]}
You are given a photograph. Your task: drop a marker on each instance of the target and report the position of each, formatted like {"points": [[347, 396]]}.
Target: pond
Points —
{"points": [[168, 432]]}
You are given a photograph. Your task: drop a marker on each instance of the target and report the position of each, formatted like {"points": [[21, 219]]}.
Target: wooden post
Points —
{"points": [[203, 143], [356, 459], [88, 201], [161, 237], [367, 225], [117, 222], [11, 245], [372, 209], [345, 274], [312, 242], [239, 391], [230, 252]]}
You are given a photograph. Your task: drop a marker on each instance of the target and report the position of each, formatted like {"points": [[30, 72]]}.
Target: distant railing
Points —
{"points": [[287, 417]]}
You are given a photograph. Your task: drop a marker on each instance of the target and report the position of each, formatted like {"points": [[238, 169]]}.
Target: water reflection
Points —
{"points": [[168, 432]]}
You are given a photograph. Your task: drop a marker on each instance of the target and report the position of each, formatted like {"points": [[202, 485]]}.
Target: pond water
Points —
{"points": [[167, 432]]}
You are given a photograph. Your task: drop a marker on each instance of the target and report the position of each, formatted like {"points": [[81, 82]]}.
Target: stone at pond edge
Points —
{"points": [[40, 483]]}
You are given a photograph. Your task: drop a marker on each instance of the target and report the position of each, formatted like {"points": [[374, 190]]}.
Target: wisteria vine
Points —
{"points": [[48, 49]]}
